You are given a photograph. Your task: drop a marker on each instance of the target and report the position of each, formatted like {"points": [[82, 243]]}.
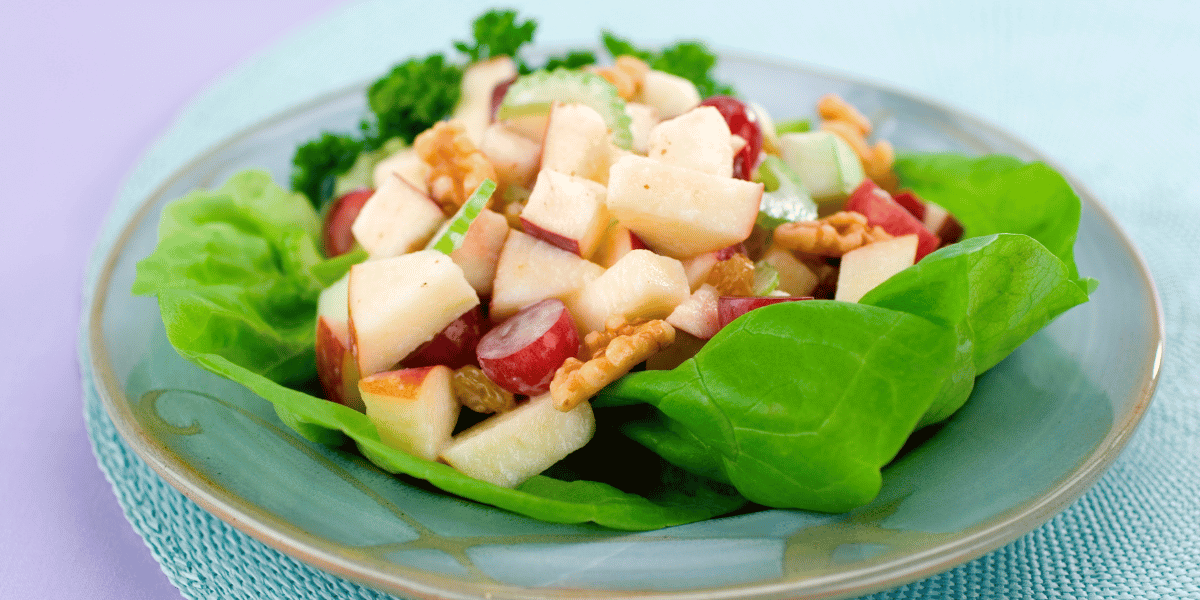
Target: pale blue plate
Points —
{"points": [[1039, 429]]}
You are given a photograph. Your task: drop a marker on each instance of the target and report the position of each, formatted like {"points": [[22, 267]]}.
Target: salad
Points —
{"points": [[611, 290]]}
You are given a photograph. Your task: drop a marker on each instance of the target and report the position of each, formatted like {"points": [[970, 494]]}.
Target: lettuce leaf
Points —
{"points": [[237, 274], [782, 403]]}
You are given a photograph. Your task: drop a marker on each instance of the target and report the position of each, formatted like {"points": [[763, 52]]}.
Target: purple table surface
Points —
{"points": [[87, 87]]}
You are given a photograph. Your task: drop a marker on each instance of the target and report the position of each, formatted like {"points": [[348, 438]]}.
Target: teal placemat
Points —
{"points": [[1126, 77]]}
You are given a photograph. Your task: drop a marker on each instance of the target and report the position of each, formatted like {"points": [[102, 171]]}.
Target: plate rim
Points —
{"points": [[281, 535]]}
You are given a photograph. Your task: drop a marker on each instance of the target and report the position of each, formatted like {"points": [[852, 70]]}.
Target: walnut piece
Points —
{"points": [[834, 235], [626, 75], [615, 351], [457, 167], [733, 276], [479, 393]]}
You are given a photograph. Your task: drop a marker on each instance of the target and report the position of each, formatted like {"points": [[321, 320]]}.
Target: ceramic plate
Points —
{"points": [[1040, 427]]}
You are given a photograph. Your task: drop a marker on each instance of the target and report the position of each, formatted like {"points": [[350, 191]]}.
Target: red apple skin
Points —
{"points": [[336, 234], [732, 307], [550, 237], [498, 94], [522, 353], [912, 203], [453, 346], [951, 231], [881, 210], [729, 252], [636, 243], [336, 368]]}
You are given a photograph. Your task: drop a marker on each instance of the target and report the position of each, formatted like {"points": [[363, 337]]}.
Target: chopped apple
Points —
{"points": [[336, 367], [514, 156], [530, 270], [522, 353], [480, 250], [698, 314], [943, 224], [698, 139], [576, 142], [414, 410], [795, 278], [566, 211], [397, 219], [396, 304], [866, 267], [881, 210], [616, 242], [698, 267], [681, 212], [531, 126], [453, 346], [825, 163], [640, 285], [732, 307], [671, 95], [642, 118], [509, 448], [479, 80], [407, 165]]}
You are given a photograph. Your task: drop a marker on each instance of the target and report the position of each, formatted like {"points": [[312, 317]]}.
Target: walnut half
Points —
{"points": [[615, 351], [832, 236]]}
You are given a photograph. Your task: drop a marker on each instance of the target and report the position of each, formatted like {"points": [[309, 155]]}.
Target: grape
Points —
{"points": [[744, 123]]}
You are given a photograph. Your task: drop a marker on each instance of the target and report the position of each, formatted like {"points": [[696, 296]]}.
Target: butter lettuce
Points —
{"points": [[237, 274], [797, 405], [802, 404]]}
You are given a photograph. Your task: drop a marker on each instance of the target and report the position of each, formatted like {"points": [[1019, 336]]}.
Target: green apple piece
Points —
{"points": [[533, 94], [825, 163], [450, 237], [785, 197]]}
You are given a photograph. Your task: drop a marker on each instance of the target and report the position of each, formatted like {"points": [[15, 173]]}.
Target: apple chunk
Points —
{"points": [[698, 314], [336, 368], [866, 267], [576, 142], [615, 242], [642, 285], [413, 410], [566, 211], [515, 156], [397, 219], [671, 95], [509, 448], [396, 304], [530, 270], [479, 79], [522, 353], [678, 211], [453, 346], [881, 210], [698, 139], [407, 165], [480, 250]]}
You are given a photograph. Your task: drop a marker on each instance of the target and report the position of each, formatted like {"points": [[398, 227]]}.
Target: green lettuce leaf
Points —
{"points": [[798, 404], [237, 274], [998, 194], [995, 291]]}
